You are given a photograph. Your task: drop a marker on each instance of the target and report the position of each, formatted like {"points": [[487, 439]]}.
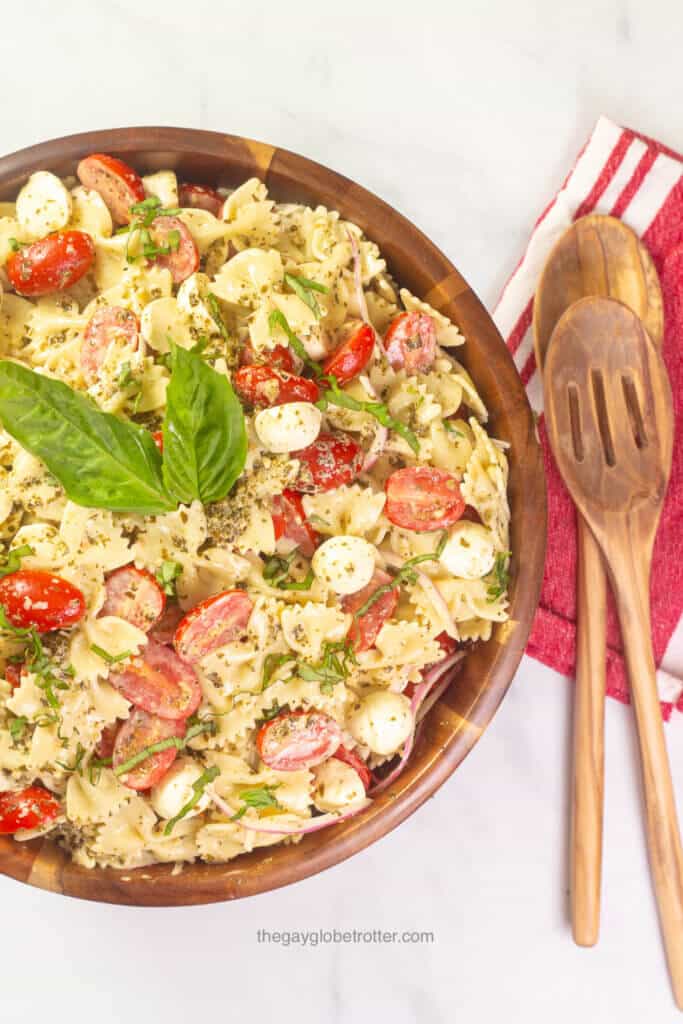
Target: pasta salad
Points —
{"points": [[250, 517]]}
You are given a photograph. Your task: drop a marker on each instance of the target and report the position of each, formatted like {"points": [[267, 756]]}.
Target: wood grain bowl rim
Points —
{"points": [[458, 720]]}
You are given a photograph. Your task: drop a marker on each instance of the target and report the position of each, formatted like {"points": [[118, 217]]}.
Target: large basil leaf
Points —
{"points": [[205, 439], [100, 461]]}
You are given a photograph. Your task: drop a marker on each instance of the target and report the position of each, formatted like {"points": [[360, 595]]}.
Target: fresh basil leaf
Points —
{"points": [[205, 439], [100, 460]]}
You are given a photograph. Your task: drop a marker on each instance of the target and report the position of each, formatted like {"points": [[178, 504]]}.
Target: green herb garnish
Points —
{"points": [[332, 668], [335, 396], [271, 662], [111, 659], [276, 570], [125, 378], [450, 429], [95, 768], [198, 788], [274, 710], [406, 574], [12, 562], [78, 760], [205, 438], [278, 319], [166, 576], [216, 315], [501, 577], [258, 797], [101, 461], [17, 727], [305, 289], [37, 662], [13, 244], [179, 743]]}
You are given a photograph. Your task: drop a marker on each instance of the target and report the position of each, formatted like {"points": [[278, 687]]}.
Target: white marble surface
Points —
{"points": [[465, 117]]}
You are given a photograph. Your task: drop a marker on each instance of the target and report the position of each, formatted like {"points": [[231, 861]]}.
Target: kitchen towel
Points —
{"points": [[624, 174]]}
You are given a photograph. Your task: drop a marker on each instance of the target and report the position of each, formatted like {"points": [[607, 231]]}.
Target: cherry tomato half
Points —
{"points": [[215, 622], [116, 182], [333, 459], [354, 760], [51, 264], [108, 325], [261, 385], [422, 498], [410, 342], [297, 739], [163, 631], [134, 595], [40, 599], [365, 630], [289, 520], [28, 808], [201, 197], [182, 260], [279, 358], [352, 355], [141, 730], [160, 682]]}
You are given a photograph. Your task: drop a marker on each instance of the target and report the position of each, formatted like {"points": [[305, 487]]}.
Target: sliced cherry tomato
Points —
{"points": [[279, 358], [158, 438], [422, 498], [297, 739], [139, 731], [28, 808], [364, 630], [52, 264], [160, 682], [40, 599], [164, 630], [116, 182], [215, 622], [261, 385], [410, 342], [333, 459], [352, 355], [201, 197], [134, 595], [183, 259], [108, 325], [13, 674], [351, 758], [289, 520], [104, 748]]}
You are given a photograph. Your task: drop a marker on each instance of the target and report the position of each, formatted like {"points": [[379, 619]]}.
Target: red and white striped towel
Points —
{"points": [[627, 175]]}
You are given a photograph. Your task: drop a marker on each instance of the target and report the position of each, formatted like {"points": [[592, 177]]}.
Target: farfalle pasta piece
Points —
{"points": [[94, 538], [89, 803], [447, 334], [484, 485], [306, 627], [248, 276]]}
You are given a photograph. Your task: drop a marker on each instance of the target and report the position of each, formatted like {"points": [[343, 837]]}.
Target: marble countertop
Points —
{"points": [[465, 117]]}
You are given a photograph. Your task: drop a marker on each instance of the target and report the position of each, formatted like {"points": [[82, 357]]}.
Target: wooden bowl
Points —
{"points": [[457, 721]]}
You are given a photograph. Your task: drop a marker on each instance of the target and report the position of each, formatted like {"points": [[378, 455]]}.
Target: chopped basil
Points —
{"points": [[276, 569], [12, 562], [305, 288], [111, 659], [17, 727], [406, 574], [271, 662], [13, 244], [36, 660], [450, 429], [278, 319], [501, 577], [78, 760], [198, 788], [166, 576], [172, 741], [258, 797], [335, 396]]}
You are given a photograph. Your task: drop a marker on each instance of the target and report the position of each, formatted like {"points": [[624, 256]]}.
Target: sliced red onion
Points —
{"points": [[437, 599], [395, 772], [434, 694], [381, 433], [311, 825], [433, 674]]}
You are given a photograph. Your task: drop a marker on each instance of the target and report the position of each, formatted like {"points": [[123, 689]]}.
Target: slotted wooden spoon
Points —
{"points": [[597, 255], [610, 424]]}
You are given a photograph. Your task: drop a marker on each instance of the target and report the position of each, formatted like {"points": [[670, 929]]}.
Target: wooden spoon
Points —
{"points": [[610, 423], [597, 255]]}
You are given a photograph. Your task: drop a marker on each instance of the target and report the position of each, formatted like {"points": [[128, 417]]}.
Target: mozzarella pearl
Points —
{"points": [[43, 205], [469, 551], [171, 794], [382, 721], [336, 786], [287, 428], [346, 564]]}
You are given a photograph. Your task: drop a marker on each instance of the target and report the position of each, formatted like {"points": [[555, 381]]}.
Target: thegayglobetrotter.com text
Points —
{"points": [[337, 936]]}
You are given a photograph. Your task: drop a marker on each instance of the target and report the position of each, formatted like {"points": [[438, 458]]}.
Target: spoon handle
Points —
{"points": [[630, 576], [589, 730]]}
